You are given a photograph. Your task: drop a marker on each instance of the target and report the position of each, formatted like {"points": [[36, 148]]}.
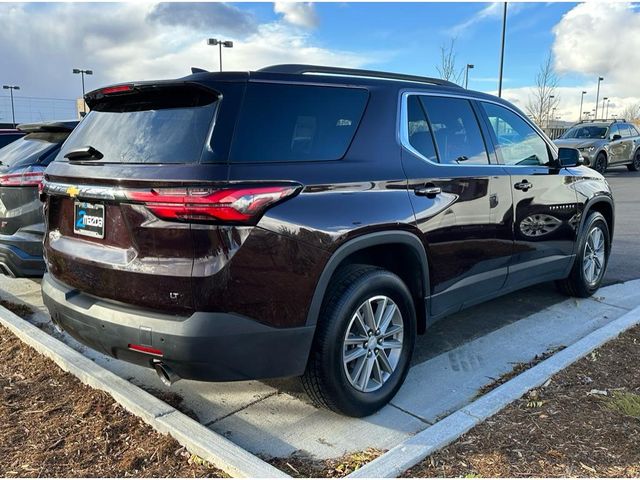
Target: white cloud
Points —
{"points": [[601, 39], [41, 44], [298, 14]]}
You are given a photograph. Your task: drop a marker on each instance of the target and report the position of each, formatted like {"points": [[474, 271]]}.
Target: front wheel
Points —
{"points": [[600, 163], [364, 342], [634, 166], [591, 260]]}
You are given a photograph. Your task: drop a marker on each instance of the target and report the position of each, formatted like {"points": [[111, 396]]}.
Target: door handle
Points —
{"points": [[429, 191], [524, 185]]}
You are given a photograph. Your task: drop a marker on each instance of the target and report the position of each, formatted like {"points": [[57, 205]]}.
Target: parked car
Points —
{"points": [[8, 135], [303, 220], [22, 164], [605, 143]]}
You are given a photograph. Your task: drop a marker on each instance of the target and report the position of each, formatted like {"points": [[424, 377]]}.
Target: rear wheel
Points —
{"points": [[591, 261], [600, 163], [364, 341], [634, 166]]}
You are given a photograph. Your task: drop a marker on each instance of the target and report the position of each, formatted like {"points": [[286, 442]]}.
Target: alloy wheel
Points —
{"points": [[373, 343], [593, 262]]}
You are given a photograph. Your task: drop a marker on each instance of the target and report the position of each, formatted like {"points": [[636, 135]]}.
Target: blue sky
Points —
{"points": [[41, 43], [409, 35]]}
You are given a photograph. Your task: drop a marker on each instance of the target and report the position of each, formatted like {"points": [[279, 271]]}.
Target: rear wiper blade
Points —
{"points": [[84, 153]]}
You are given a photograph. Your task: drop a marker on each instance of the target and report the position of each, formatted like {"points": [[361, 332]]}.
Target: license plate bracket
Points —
{"points": [[88, 219]]}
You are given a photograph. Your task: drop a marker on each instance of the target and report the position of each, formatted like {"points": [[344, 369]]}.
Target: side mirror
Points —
{"points": [[616, 137], [569, 157]]}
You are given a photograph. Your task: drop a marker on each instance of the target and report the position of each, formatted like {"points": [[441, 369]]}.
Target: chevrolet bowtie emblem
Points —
{"points": [[73, 191]]}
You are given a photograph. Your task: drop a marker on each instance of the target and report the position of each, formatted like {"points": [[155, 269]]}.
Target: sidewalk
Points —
{"points": [[584, 422]]}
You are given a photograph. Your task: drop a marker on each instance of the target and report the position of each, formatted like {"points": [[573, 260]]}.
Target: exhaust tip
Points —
{"points": [[165, 374]]}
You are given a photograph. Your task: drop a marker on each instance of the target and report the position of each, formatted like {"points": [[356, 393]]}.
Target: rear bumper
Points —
{"points": [[203, 346], [21, 255]]}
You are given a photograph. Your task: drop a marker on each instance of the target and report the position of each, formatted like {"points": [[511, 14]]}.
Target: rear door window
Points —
{"points": [[456, 130], [291, 123], [420, 137], [164, 125]]}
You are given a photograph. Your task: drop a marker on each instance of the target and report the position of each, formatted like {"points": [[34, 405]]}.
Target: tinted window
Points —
{"points": [[6, 139], [614, 130], [626, 130], [419, 133], [30, 149], [169, 125], [283, 123], [456, 130], [518, 143], [633, 130]]}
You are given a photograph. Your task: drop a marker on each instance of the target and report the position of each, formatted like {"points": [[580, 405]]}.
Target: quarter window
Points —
{"points": [[518, 143], [456, 130], [634, 131]]}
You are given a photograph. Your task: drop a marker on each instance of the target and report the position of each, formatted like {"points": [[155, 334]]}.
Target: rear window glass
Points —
{"points": [[162, 127], [30, 149], [7, 138], [285, 123]]}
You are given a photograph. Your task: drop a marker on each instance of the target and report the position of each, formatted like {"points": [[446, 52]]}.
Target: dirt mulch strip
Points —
{"points": [[54, 426], [300, 466], [585, 422]]}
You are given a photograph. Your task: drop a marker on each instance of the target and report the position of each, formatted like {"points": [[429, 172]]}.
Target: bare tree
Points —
{"points": [[631, 112], [447, 68], [544, 98]]}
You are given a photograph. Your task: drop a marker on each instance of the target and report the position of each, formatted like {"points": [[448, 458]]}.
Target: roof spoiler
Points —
{"points": [[48, 127]]}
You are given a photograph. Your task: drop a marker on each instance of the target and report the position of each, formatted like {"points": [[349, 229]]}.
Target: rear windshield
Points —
{"points": [[284, 123], [30, 149], [7, 138], [161, 127]]}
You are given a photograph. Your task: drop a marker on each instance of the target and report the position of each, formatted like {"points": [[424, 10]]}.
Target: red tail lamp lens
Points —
{"points": [[26, 179], [231, 204], [144, 349]]}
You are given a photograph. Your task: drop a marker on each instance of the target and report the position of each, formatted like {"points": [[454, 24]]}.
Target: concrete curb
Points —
{"points": [[196, 438], [413, 450]]}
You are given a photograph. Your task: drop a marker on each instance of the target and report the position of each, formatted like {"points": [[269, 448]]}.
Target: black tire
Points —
{"points": [[634, 166], [325, 379], [600, 163], [576, 285]]}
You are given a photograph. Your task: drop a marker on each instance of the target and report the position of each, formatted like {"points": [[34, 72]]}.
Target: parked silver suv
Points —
{"points": [[605, 143]]}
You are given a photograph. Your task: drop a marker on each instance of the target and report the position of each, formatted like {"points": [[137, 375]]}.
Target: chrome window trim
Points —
{"points": [[402, 132]]}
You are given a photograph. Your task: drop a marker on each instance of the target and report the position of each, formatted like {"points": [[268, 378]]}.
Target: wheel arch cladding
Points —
{"points": [[398, 251], [603, 205]]}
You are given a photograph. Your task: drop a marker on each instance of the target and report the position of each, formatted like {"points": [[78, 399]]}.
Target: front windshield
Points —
{"points": [[586, 131]]}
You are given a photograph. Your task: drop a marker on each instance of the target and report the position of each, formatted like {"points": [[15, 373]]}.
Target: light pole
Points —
{"points": [[553, 115], [551, 97], [82, 74], [504, 30], [603, 99], [606, 115], [220, 44], [598, 96], [11, 88], [466, 74], [581, 100]]}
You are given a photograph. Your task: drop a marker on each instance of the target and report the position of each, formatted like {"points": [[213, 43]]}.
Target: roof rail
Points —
{"points": [[298, 69], [603, 120]]}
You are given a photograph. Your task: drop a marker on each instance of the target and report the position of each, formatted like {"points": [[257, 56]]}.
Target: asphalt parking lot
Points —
{"points": [[452, 362]]}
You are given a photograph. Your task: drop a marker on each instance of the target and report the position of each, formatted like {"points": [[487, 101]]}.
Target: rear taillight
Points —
{"points": [[244, 205], [26, 179]]}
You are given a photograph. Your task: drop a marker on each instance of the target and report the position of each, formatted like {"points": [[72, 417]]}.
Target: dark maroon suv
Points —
{"points": [[306, 221]]}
